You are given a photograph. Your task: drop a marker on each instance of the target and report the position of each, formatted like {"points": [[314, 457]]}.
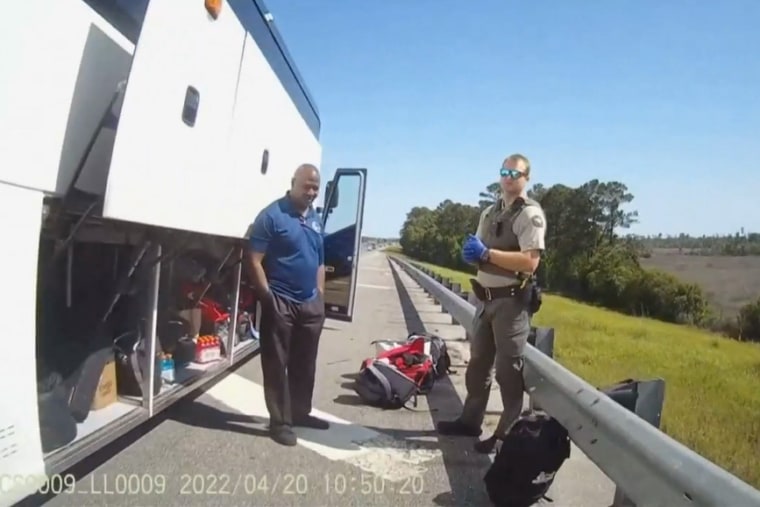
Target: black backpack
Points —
{"points": [[438, 352], [527, 461], [382, 385]]}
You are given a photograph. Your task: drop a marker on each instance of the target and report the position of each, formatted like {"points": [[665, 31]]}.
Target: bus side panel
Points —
{"points": [[203, 173], [265, 121], [167, 167], [20, 448], [291, 142], [60, 68], [250, 155]]}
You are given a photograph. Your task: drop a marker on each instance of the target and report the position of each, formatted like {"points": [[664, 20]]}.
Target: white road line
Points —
{"points": [[382, 455], [370, 286]]}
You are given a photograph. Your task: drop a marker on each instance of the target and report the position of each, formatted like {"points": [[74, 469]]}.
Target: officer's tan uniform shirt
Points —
{"points": [[530, 227]]}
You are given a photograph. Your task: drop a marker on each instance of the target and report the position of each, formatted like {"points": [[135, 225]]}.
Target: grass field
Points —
{"points": [[728, 282], [712, 398]]}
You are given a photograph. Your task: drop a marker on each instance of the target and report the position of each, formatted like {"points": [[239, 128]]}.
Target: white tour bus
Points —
{"points": [[139, 140]]}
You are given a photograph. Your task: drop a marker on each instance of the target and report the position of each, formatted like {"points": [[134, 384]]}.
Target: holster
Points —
{"points": [[535, 299]]}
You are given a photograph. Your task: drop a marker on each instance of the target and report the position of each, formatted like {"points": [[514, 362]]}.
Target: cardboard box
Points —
{"points": [[105, 395]]}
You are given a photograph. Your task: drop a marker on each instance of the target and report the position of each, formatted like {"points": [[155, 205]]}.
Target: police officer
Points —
{"points": [[286, 260], [506, 249]]}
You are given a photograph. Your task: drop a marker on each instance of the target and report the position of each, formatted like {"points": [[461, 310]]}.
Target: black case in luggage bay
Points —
{"points": [[57, 426], [171, 332], [184, 352], [132, 365]]}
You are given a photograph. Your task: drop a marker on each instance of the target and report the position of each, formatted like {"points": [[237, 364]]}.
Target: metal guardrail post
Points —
{"points": [[648, 398], [456, 288], [438, 280], [652, 468], [543, 339], [446, 283], [428, 273]]}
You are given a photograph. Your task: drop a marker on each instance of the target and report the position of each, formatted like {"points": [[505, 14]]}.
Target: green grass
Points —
{"points": [[712, 393]]}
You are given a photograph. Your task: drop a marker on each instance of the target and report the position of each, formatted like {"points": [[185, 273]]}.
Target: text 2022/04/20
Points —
{"points": [[214, 484]]}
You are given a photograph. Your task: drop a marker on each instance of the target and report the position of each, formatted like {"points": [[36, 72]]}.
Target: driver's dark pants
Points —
{"points": [[290, 333]]}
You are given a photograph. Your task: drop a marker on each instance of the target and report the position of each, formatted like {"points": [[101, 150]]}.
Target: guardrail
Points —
{"points": [[648, 467]]}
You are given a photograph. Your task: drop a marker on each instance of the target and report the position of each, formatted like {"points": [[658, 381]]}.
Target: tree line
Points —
{"points": [[585, 259], [737, 244]]}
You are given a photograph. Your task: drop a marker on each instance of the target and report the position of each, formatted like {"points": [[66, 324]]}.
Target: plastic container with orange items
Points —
{"points": [[207, 348]]}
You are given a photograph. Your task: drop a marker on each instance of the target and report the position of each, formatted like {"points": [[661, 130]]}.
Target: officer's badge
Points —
{"points": [[316, 226]]}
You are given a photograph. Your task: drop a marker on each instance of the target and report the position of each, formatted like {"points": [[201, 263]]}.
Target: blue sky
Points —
{"points": [[431, 95]]}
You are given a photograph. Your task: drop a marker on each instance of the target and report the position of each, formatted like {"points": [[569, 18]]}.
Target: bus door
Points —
{"points": [[342, 216]]}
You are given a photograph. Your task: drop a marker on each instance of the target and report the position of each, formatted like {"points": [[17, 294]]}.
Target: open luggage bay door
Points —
{"points": [[342, 217]]}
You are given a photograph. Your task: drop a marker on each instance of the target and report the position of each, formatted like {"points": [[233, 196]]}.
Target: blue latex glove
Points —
{"points": [[473, 249]]}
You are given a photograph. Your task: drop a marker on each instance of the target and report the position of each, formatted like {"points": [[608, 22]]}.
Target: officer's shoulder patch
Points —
{"points": [[535, 215]]}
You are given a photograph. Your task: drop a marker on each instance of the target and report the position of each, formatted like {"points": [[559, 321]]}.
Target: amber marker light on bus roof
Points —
{"points": [[214, 7]]}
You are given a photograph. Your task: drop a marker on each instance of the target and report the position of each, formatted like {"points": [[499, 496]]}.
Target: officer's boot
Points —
{"points": [[458, 428], [486, 446]]}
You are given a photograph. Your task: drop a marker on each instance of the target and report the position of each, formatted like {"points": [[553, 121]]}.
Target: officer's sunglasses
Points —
{"points": [[512, 174]]}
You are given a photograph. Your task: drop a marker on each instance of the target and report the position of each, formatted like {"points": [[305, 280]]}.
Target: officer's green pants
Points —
{"points": [[500, 332]]}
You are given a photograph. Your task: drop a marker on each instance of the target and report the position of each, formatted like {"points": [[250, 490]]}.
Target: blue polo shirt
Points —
{"points": [[293, 249]]}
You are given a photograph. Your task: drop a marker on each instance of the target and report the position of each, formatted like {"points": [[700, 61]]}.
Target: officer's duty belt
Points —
{"points": [[491, 293]]}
